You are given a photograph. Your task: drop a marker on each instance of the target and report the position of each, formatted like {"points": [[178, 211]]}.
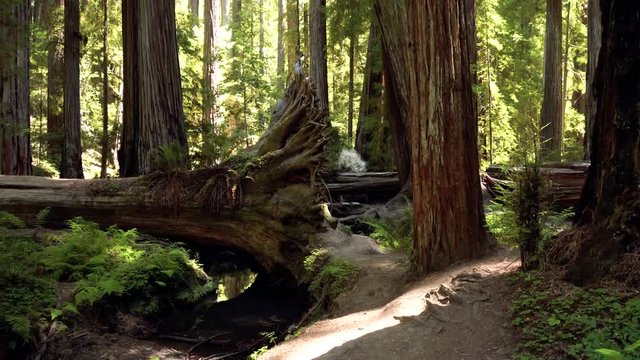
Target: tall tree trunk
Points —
{"points": [[194, 10], [105, 91], [153, 116], [565, 65], [261, 40], [208, 64], [71, 161], [55, 80], [304, 47], [551, 113], [224, 12], [281, 46], [606, 237], [15, 144], [373, 133], [392, 17], [436, 87], [318, 44], [352, 59], [594, 41], [293, 33]]}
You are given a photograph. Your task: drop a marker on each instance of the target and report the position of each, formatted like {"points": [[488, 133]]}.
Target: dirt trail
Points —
{"points": [[460, 313]]}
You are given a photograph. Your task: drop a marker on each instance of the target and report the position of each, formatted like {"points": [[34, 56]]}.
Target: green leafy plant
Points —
{"points": [[10, 221], [574, 323], [332, 280], [394, 233], [611, 354]]}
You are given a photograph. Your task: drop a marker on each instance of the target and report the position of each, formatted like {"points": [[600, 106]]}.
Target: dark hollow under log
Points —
{"points": [[263, 202]]}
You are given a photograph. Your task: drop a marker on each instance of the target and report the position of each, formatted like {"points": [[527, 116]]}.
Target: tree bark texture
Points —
{"points": [[71, 159], [594, 39], [447, 205], [263, 202], [318, 45], [551, 113], [15, 146], [606, 236], [433, 76], [153, 115], [208, 68]]}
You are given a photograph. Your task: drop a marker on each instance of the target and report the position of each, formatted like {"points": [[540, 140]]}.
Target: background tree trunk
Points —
{"points": [[194, 10], [281, 46], [551, 113], [208, 68], [373, 133], [153, 115], [293, 33], [594, 39], [447, 206], [352, 64], [318, 47], [55, 80], [105, 92], [608, 225], [224, 12], [392, 16], [15, 144], [71, 161]]}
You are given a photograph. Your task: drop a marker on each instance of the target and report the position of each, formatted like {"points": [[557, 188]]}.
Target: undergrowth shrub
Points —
{"points": [[524, 216], [27, 296], [114, 267], [111, 270], [334, 278], [574, 323], [394, 233]]}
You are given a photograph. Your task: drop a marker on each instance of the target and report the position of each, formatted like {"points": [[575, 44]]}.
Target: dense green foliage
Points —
{"points": [[110, 270], [332, 279], [395, 233], [574, 323]]}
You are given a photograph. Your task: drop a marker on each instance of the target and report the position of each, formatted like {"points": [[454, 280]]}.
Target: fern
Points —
{"points": [[41, 216], [10, 221]]}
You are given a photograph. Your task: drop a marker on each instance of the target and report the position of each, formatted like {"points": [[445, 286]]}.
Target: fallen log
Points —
{"points": [[264, 202], [566, 181]]}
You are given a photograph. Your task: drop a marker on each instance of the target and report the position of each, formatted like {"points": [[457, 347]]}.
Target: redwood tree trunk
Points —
{"points": [[105, 92], [293, 33], [55, 81], [392, 16], [71, 160], [372, 133], [281, 46], [551, 113], [153, 115], [318, 44], [15, 146], [208, 67], [607, 232], [594, 39], [435, 81], [352, 60], [444, 127]]}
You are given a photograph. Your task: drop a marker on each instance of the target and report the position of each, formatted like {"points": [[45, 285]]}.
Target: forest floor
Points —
{"points": [[460, 313]]}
